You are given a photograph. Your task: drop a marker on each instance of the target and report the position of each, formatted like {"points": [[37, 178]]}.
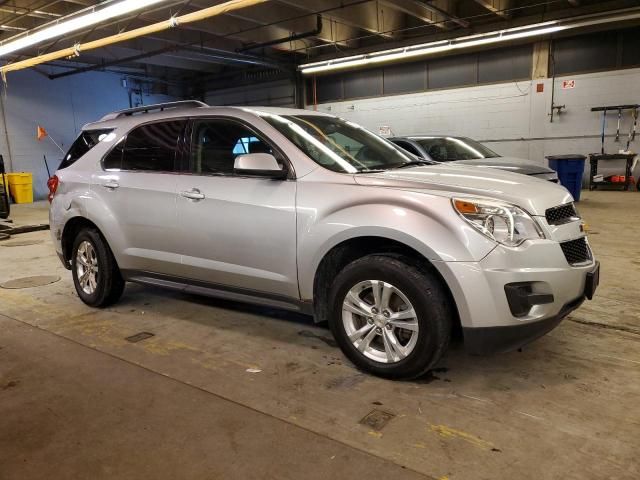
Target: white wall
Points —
{"points": [[62, 107], [511, 111]]}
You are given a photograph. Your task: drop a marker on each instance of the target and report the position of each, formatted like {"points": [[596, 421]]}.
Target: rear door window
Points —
{"points": [[85, 142], [152, 147]]}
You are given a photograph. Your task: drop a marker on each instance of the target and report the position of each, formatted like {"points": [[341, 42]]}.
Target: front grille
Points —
{"points": [[576, 251], [562, 214]]}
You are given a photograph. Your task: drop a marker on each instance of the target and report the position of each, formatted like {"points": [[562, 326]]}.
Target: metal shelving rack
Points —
{"points": [[595, 158]]}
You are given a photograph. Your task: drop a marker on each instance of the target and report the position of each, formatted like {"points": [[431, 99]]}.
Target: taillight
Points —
{"points": [[52, 183]]}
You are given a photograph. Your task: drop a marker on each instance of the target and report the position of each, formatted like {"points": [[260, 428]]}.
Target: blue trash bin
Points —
{"points": [[570, 169]]}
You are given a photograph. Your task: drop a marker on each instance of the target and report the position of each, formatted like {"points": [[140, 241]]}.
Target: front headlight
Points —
{"points": [[502, 222]]}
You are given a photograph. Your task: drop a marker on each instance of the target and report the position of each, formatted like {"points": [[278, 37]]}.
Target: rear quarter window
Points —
{"points": [[85, 142]]}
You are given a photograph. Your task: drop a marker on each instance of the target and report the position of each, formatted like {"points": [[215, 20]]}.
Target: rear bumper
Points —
{"points": [[488, 340], [56, 226]]}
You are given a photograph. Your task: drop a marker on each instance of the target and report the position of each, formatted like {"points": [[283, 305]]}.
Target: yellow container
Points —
{"points": [[21, 186]]}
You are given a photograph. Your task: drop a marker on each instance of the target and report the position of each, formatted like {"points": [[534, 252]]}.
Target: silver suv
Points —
{"points": [[305, 211]]}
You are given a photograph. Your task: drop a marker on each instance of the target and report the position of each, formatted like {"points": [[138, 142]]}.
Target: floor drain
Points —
{"points": [[30, 282], [20, 243], [138, 337], [376, 419]]}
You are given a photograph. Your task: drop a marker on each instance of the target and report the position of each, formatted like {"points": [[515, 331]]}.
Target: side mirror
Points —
{"points": [[259, 165], [2, 170]]}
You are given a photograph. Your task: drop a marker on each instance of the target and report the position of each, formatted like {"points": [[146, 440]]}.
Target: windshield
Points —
{"points": [[337, 144], [446, 149]]}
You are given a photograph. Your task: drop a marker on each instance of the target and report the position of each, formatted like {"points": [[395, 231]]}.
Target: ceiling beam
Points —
{"points": [[415, 9], [499, 7], [368, 16], [231, 27], [21, 12], [437, 12], [84, 3], [294, 20]]}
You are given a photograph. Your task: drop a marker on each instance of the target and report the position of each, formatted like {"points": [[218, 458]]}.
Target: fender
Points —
{"points": [[400, 216]]}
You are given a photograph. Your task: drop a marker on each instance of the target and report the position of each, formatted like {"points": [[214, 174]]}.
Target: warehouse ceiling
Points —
{"points": [[270, 39]]}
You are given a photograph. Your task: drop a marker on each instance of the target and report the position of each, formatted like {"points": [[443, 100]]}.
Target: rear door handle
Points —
{"points": [[111, 185], [193, 194]]}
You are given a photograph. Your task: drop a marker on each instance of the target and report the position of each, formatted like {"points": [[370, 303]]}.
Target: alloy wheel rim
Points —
{"points": [[87, 268], [380, 321]]}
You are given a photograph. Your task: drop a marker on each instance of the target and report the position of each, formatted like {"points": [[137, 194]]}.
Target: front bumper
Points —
{"points": [[489, 321], [488, 340]]}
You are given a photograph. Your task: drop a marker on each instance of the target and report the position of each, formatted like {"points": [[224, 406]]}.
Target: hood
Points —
{"points": [[509, 164], [530, 193]]}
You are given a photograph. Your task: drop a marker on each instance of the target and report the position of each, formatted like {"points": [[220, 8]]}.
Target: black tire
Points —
{"points": [[109, 281], [429, 299]]}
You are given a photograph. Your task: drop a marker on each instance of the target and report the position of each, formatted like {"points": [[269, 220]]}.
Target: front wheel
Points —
{"points": [[95, 272], [389, 317]]}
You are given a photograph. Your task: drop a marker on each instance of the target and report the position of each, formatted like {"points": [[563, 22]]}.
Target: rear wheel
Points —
{"points": [[389, 317], [95, 272]]}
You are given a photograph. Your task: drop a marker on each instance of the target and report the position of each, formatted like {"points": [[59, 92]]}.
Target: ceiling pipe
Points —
{"points": [[291, 38], [112, 63], [173, 22], [236, 57], [221, 55]]}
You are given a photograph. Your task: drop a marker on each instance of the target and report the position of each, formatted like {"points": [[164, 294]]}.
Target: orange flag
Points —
{"points": [[41, 133]]}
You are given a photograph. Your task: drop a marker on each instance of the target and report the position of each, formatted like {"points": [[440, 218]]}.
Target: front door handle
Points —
{"points": [[193, 194], [111, 185]]}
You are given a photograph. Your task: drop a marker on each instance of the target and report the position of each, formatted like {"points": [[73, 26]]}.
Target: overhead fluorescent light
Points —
{"points": [[11, 27], [430, 48], [488, 38], [62, 27]]}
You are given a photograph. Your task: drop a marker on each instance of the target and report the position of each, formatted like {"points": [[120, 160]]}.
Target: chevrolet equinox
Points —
{"points": [[305, 211]]}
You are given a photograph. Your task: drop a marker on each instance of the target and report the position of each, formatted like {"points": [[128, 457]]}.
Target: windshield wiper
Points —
{"points": [[413, 163]]}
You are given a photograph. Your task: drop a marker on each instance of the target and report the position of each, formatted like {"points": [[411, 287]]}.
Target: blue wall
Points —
{"points": [[62, 107]]}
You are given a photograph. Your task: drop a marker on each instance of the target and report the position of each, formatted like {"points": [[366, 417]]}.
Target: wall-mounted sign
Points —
{"points": [[567, 84], [385, 131]]}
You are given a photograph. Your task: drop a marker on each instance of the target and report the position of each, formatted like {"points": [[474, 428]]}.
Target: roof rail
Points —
{"points": [[158, 106]]}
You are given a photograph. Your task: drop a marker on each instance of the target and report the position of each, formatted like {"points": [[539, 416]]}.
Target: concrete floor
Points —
{"points": [[224, 390]]}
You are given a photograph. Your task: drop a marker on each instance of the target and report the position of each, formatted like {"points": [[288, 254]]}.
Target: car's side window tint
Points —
{"points": [[216, 144], [439, 152], [113, 159], [152, 147]]}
